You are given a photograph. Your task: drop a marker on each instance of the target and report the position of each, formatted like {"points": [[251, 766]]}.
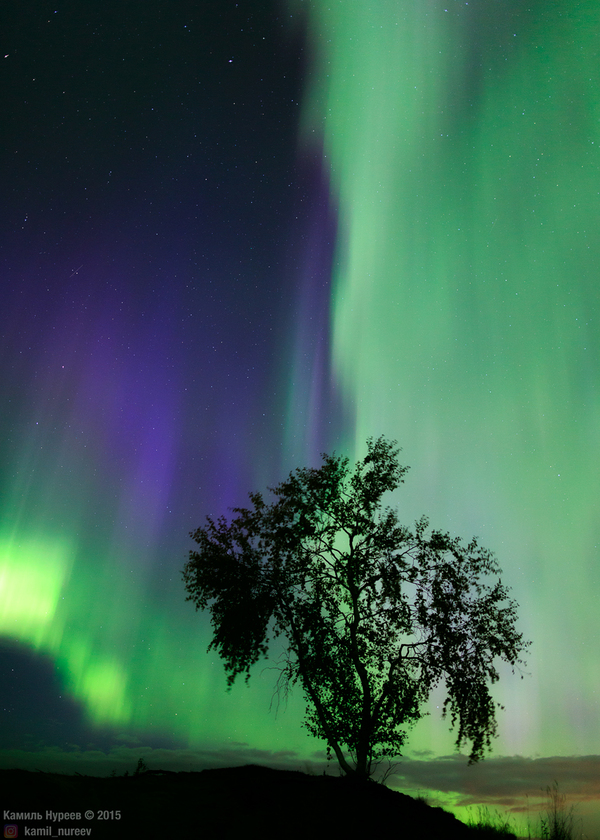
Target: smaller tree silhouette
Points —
{"points": [[375, 615]]}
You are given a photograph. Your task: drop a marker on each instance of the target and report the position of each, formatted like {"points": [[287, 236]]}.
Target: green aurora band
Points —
{"points": [[463, 144]]}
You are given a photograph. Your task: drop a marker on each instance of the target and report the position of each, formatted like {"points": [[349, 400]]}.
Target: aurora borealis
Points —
{"points": [[456, 315], [237, 234]]}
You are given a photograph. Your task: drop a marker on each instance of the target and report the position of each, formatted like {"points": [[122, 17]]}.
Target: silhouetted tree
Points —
{"points": [[375, 615]]}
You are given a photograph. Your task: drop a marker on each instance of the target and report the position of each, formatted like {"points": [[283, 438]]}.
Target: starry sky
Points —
{"points": [[235, 235]]}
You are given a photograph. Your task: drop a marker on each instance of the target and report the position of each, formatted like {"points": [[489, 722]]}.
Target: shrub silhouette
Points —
{"points": [[557, 823], [375, 614]]}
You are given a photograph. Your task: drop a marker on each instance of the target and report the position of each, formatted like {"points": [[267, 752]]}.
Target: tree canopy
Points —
{"points": [[375, 615]]}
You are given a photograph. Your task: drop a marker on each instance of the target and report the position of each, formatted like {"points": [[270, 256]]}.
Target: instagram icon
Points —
{"points": [[11, 830]]}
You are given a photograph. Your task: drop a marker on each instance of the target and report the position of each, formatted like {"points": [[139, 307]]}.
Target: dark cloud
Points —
{"points": [[93, 761], [505, 781]]}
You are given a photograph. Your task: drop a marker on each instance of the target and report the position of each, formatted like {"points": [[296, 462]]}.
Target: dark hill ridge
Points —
{"points": [[226, 803]]}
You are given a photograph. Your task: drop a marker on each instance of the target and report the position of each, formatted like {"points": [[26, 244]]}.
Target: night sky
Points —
{"points": [[235, 235]]}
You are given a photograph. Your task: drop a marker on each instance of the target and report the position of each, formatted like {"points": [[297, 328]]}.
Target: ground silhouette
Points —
{"points": [[228, 802]]}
